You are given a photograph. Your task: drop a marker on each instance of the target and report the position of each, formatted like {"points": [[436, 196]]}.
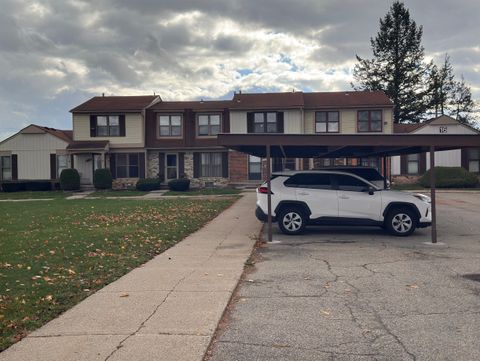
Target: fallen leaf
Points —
{"points": [[325, 312], [413, 286], [124, 295]]}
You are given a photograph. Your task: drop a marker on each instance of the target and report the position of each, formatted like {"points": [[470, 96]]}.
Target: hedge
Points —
{"points": [[450, 177], [29, 185], [70, 179], [102, 178], [179, 185], [148, 184]]}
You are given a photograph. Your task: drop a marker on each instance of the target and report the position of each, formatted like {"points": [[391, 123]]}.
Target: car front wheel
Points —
{"points": [[292, 220], [401, 222]]}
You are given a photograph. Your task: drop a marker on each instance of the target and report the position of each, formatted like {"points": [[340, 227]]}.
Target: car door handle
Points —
{"points": [[303, 193], [343, 197]]}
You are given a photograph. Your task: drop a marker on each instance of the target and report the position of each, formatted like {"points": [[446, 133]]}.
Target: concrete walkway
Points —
{"points": [[168, 309]]}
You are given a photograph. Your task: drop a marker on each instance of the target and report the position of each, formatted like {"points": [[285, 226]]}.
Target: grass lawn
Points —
{"points": [[55, 253], [415, 186], [34, 195], [204, 192], [120, 193]]}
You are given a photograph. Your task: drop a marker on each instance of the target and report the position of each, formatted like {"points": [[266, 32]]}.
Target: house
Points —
{"points": [[408, 168], [35, 153], [109, 132]]}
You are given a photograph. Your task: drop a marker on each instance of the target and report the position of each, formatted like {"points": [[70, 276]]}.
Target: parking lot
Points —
{"points": [[360, 294]]}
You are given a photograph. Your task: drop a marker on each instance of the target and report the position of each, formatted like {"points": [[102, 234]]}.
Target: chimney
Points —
{"points": [[103, 94]]}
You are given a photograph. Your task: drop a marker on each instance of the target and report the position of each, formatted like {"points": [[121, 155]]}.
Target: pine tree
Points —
{"points": [[397, 66], [462, 102], [441, 86]]}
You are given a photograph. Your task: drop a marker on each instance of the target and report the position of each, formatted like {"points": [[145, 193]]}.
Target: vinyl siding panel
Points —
{"points": [[33, 152], [450, 128], [238, 122], [134, 130], [292, 122]]}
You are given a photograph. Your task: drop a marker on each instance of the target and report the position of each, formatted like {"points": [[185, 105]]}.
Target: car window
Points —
{"points": [[313, 181], [348, 183]]}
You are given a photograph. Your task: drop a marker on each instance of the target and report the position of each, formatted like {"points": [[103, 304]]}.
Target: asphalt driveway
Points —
{"points": [[359, 294]]}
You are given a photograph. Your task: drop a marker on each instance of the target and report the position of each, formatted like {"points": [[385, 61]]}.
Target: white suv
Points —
{"points": [[340, 198]]}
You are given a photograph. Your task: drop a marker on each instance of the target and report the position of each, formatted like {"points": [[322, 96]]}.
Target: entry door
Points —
{"points": [[171, 166], [354, 200], [97, 162]]}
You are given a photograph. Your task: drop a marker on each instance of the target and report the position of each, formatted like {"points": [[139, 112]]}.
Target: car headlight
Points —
{"points": [[422, 197]]}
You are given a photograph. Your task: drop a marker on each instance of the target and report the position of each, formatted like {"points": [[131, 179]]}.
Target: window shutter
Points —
{"points": [[161, 167], [121, 122], [225, 164], [141, 165], [403, 164], [53, 166], [113, 168], [14, 160], [196, 165], [422, 165], [280, 122], [181, 165], [464, 160], [72, 164], [250, 128], [93, 125]]}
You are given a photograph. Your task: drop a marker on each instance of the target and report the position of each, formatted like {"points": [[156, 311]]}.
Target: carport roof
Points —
{"points": [[343, 145]]}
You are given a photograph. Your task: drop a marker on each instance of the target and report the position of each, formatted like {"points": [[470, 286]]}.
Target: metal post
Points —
{"points": [[385, 172], [432, 194], [269, 196]]}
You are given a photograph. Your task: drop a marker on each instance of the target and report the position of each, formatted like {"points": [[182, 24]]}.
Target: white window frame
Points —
{"points": [[3, 168]]}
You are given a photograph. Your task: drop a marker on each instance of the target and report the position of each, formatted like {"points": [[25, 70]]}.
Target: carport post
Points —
{"points": [[269, 196], [385, 172], [432, 194]]}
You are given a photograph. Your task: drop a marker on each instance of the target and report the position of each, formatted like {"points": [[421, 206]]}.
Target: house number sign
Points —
{"points": [[443, 129]]}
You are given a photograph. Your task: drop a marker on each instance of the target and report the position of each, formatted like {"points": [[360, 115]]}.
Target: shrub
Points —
{"points": [[27, 185], [102, 178], [450, 177], [38, 185], [13, 186], [148, 184], [179, 185], [70, 180]]}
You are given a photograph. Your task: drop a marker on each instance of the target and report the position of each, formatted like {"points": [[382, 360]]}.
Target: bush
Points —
{"points": [[13, 186], [148, 184], [179, 185], [70, 180], [450, 177], [102, 178], [38, 185]]}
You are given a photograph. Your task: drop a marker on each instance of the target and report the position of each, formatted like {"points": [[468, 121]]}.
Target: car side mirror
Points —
{"points": [[371, 190]]}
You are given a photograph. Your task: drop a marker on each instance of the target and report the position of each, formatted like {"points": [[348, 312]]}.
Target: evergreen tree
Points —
{"points": [[462, 102], [441, 86], [397, 66]]}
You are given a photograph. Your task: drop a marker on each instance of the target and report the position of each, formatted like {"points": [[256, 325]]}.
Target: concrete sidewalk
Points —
{"points": [[167, 309]]}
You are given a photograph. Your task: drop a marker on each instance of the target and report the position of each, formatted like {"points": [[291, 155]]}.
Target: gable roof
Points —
{"points": [[441, 120], [116, 104], [267, 100], [406, 128], [198, 105], [65, 135]]}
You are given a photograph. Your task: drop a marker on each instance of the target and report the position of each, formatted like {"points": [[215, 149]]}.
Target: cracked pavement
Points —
{"points": [[360, 294]]}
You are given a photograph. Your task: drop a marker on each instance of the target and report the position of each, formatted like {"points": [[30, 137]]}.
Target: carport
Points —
{"points": [[345, 145]]}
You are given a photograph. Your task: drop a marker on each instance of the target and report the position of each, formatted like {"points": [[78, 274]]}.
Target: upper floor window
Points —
{"points": [[265, 122], [327, 122], [208, 124], [369, 121], [170, 125], [107, 125], [6, 168]]}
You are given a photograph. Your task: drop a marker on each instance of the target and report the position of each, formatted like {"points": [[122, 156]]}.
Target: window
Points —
{"points": [[413, 163], [254, 168], [313, 181], [127, 165], [170, 126], [266, 122], [282, 164], [370, 162], [63, 162], [208, 124], [211, 165], [369, 121], [171, 165], [473, 160], [6, 168], [108, 126], [348, 183], [326, 122]]}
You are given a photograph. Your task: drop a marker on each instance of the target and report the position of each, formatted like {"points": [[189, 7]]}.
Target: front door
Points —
{"points": [[83, 164], [171, 166]]}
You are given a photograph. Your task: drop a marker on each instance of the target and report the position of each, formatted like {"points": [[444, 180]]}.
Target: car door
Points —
{"points": [[315, 190], [354, 200]]}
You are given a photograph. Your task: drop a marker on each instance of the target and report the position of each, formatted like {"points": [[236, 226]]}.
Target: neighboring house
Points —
{"points": [[109, 131], [35, 153], [408, 168]]}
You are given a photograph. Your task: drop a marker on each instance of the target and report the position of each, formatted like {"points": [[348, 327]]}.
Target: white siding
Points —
{"points": [[292, 122], [396, 165], [134, 129], [449, 128], [238, 122], [33, 152]]}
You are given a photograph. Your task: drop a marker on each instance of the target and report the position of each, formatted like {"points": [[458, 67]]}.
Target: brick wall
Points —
{"points": [[238, 164]]}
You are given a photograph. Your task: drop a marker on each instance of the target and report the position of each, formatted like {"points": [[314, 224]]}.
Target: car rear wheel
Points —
{"points": [[292, 220], [401, 222]]}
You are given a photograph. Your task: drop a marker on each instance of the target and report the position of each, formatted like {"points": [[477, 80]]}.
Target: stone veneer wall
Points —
{"points": [[124, 183], [152, 164]]}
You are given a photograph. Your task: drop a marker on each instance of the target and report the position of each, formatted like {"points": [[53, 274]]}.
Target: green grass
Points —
{"points": [[34, 195], [112, 193], [55, 253], [204, 192]]}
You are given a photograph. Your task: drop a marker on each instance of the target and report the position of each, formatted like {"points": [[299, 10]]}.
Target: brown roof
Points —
{"points": [[66, 135], [441, 120], [115, 104], [346, 99], [88, 144], [267, 100], [406, 128], [195, 105]]}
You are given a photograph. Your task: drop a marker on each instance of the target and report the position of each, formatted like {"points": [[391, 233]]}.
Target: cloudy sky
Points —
{"points": [[55, 54]]}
